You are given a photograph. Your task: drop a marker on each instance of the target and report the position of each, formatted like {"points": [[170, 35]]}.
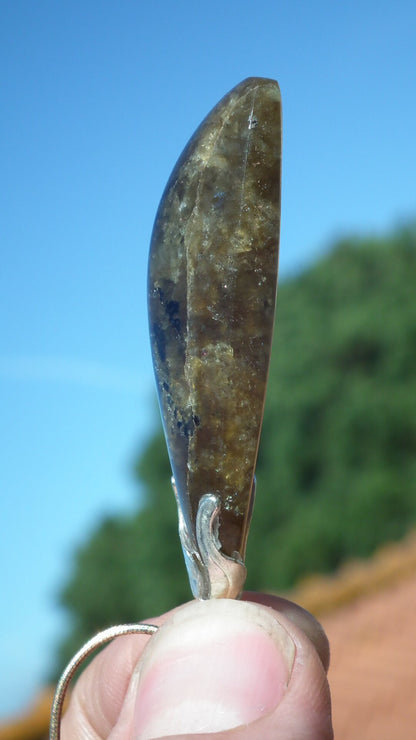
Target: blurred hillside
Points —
{"points": [[337, 462]]}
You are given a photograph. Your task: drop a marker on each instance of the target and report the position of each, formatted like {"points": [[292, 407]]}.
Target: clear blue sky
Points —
{"points": [[98, 99]]}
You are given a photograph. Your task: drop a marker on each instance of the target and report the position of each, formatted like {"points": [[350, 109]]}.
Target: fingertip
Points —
{"points": [[107, 698], [299, 616], [209, 656]]}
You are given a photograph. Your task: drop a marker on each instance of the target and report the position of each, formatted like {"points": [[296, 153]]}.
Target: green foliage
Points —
{"points": [[336, 468], [337, 461], [131, 568]]}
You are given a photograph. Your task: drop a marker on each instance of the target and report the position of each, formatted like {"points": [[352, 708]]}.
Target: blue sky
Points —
{"points": [[98, 100]]}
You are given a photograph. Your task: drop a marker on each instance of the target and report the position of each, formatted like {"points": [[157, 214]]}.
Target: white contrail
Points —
{"points": [[72, 370]]}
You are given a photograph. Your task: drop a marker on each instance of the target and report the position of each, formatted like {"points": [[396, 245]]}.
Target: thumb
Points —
{"points": [[236, 669]]}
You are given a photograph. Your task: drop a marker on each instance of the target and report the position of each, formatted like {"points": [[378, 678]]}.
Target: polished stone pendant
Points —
{"points": [[212, 289], [212, 286]]}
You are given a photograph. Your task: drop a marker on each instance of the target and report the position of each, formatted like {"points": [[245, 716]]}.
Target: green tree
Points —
{"points": [[337, 461]]}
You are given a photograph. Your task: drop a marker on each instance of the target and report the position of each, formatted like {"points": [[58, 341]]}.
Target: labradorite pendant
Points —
{"points": [[212, 286]]}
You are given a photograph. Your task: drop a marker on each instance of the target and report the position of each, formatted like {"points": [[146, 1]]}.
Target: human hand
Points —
{"points": [[216, 670]]}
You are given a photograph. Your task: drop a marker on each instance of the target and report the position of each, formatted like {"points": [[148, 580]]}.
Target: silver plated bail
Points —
{"points": [[212, 574]]}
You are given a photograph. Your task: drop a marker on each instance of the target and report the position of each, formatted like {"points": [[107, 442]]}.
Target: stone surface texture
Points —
{"points": [[212, 286]]}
